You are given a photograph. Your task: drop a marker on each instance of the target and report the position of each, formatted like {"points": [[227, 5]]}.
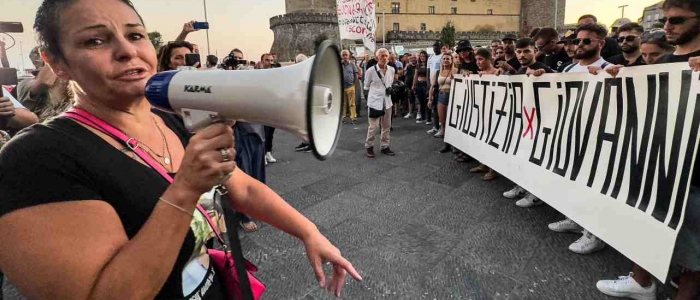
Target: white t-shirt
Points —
{"points": [[578, 68], [434, 66]]}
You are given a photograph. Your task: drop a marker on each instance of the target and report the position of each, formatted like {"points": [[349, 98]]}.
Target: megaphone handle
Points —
{"points": [[199, 119]]}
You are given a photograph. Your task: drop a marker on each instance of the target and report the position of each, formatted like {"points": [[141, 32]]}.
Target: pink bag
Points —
{"points": [[224, 262]]}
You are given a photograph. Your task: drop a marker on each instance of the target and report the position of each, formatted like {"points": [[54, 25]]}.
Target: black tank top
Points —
{"points": [[63, 161]]}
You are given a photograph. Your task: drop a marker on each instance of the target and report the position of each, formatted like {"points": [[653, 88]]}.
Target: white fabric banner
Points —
{"points": [[357, 21], [616, 155]]}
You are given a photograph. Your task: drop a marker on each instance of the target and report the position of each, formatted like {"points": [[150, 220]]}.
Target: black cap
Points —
{"points": [[510, 37], [568, 36], [464, 45]]}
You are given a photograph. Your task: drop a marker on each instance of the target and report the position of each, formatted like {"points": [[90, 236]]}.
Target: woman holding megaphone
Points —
{"points": [[85, 216]]}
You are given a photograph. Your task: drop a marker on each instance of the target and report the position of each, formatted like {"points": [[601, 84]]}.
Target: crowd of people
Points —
{"points": [[102, 70]]}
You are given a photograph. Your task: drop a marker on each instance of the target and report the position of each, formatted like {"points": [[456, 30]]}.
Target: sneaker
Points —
{"points": [[370, 153], [439, 135], [587, 244], [308, 149], [627, 287], [418, 116], [301, 147], [429, 123], [419, 121], [387, 151], [566, 225], [529, 201], [269, 158], [515, 192], [431, 131], [407, 116]]}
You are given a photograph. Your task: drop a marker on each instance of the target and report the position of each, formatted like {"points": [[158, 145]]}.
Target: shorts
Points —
{"points": [[443, 98]]}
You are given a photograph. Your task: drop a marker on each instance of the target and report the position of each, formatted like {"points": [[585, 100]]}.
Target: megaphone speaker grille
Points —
{"points": [[326, 94]]}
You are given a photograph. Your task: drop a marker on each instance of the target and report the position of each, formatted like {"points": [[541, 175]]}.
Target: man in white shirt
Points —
{"points": [[590, 40], [378, 79]]}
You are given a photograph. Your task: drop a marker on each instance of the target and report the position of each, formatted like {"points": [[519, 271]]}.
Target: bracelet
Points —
{"points": [[175, 206]]}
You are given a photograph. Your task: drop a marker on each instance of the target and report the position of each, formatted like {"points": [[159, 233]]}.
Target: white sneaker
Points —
{"points": [[431, 131], [429, 123], [587, 244], [627, 287], [566, 225], [419, 121], [529, 201], [407, 116], [515, 192], [418, 116], [269, 158]]}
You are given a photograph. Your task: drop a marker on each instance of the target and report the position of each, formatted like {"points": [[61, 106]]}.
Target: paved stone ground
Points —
{"points": [[419, 226]]}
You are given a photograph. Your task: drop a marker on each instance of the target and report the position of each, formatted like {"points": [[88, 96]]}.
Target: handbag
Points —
{"points": [[375, 113], [229, 262]]}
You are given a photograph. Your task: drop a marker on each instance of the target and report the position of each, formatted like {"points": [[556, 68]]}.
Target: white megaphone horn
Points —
{"points": [[304, 99]]}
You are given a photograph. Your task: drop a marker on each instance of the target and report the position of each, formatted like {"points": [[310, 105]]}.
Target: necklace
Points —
{"points": [[165, 149]]}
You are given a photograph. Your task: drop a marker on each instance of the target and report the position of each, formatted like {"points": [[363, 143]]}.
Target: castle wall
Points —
{"points": [[540, 13], [319, 6], [296, 32]]}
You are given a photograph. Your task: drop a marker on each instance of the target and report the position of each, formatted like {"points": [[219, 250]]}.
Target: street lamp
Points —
{"points": [[623, 9], [206, 20]]}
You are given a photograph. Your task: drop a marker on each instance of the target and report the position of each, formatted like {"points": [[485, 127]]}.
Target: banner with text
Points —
{"points": [[615, 155], [357, 21]]}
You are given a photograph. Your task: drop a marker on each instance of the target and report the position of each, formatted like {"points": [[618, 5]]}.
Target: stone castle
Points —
{"points": [[414, 21]]}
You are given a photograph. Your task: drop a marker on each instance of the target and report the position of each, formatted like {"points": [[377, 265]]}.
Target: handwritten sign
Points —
{"points": [[357, 21]]}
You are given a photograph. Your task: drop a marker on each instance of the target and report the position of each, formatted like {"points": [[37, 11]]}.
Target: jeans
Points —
{"points": [[250, 158], [422, 98], [269, 135]]}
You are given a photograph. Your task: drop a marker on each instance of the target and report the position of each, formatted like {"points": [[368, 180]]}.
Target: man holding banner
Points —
{"points": [[682, 28]]}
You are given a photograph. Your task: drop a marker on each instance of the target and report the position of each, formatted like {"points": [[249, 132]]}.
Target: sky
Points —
{"points": [[243, 24]]}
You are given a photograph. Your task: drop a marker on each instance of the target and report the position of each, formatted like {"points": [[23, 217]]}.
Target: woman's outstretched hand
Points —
{"points": [[320, 251]]}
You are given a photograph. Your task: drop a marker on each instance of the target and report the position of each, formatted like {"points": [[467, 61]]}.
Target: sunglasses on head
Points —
{"points": [[629, 38], [675, 20], [586, 41]]}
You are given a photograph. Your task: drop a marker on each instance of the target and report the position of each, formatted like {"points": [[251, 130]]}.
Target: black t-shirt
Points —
{"points": [[610, 49], [555, 61], [513, 62], [409, 73], [63, 161], [620, 60], [536, 66], [470, 66], [671, 58]]}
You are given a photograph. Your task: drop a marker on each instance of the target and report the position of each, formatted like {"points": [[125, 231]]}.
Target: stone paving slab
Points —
{"points": [[419, 226]]}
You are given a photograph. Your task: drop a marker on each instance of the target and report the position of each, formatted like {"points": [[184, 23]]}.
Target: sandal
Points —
{"points": [[249, 226], [479, 169], [490, 175]]}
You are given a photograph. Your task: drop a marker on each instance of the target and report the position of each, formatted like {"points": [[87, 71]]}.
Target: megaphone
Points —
{"points": [[304, 99]]}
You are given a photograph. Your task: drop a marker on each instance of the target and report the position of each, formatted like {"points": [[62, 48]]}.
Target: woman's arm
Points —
{"points": [[86, 254]]}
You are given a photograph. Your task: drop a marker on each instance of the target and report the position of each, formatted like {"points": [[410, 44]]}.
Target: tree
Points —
{"points": [[156, 39], [447, 34]]}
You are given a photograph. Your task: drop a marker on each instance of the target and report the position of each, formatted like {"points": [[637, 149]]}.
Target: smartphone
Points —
{"points": [[191, 59], [13, 27], [200, 25]]}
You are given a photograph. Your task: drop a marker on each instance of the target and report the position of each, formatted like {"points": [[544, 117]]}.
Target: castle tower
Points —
{"points": [[541, 13], [304, 21]]}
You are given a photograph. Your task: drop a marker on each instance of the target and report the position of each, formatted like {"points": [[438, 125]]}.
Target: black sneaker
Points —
{"points": [[370, 152], [307, 149], [387, 151], [301, 147]]}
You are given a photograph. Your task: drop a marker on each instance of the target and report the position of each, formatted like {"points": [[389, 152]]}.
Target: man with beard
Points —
{"points": [[611, 47], [547, 43], [629, 38], [682, 25], [510, 63], [590, 41]]}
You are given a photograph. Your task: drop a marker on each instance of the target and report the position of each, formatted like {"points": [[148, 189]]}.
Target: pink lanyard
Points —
{"points": [[88, 119]]}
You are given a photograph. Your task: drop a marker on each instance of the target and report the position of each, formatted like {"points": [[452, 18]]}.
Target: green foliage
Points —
{"points": [[156, 39], [447, 34]]}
